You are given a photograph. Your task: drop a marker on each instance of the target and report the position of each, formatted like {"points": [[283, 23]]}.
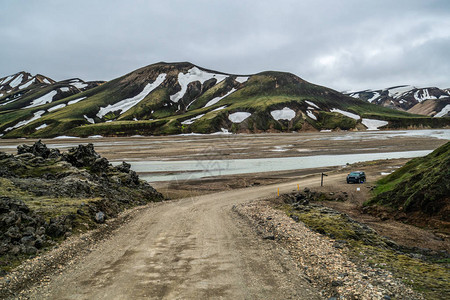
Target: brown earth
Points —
{"points": [[195, 246]]}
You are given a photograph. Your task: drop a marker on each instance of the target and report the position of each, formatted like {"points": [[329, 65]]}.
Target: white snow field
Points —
{"points": [[128, 103], [217, 99], [25, 85], [36, 116], [53, 108], [16, 81], [78, 84], [242, 79], [283, 114], [375, 96], [41, 127], [90, 120], [64, 89], [399, 91], [372, 124], [75, 100], [193, 74], [312, 104], [239, 116], [4, 81], [220, 108], [192, 120], [47, 98], [425, 95], [311, 115], [346, 113], [443, 112]]}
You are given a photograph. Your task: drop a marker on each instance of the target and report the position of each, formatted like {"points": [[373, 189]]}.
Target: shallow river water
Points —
{"points": [[194, 169]]}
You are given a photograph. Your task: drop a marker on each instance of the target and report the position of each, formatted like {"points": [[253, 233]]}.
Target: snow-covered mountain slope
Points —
{"points": [[23, 90], [173, 98], [428, 101]]}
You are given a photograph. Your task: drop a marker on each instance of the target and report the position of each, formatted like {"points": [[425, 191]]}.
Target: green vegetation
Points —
{"points": [[421, 185]]}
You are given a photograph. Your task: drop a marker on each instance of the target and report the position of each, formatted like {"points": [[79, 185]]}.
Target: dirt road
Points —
{"points": [[192, 248]]}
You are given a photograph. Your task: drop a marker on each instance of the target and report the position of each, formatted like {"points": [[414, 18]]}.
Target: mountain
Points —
{"points": [[429, 101], [419, 189], [174, 98]]}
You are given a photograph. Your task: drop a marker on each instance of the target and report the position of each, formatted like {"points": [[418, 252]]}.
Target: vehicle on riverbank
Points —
{"points": [[356, 177]]}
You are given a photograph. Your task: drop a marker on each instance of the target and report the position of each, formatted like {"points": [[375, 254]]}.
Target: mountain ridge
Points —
{"points": [[173, 98], [430, 101]]}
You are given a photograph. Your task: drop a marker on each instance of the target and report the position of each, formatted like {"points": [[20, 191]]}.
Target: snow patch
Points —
{"points": [[36, 116], [10, 101], [76, 100], [16, 81], [239, 116], [41, 127], [46, 81], [283, 114], [192, 120], [61, 137], [346, 113], [47, 98], [222, 132], [90, 120], [217, 99], [399, 91], [64, 89], [193, 74], [56, 107], [220, 108], [425, 95], [79, 85], [312, 104], [242, 79], [372, 124], [443, 112], [375, 96], [7, 79], [30, 82], [128, 103], [311, 115]]}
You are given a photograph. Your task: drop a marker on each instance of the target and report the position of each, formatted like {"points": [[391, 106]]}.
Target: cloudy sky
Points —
{"points": [[345, 45]]}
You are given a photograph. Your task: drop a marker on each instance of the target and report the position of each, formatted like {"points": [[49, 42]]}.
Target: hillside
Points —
{"points": [[429, 101], [174, 98], [46, 196], [420, 189]]}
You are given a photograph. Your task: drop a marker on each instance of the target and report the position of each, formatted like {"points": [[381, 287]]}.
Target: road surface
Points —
{"points": [[192, 248]]}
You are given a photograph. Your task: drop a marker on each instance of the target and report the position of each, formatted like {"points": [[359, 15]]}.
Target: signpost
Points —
{"points": [[321, 181]]}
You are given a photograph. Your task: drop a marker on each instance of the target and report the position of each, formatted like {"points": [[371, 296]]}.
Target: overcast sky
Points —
{"points": [[345, 44]]}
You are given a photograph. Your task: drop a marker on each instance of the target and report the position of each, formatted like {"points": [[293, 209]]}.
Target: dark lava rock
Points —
{"points": [[81, 156], [123, 167], [38, 149]]}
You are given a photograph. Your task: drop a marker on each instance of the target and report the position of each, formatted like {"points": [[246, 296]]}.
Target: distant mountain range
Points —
{"points": [[175, 98], [430, 101]]}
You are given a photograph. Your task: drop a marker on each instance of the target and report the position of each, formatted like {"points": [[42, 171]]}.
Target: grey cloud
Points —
{"points": [[349, 44]]}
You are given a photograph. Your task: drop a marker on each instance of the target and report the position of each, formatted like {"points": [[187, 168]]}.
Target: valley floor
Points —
{"points": [[197, 247]]}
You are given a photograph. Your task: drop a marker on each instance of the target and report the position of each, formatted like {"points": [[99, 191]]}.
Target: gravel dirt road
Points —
{"points": [[192, 248]]}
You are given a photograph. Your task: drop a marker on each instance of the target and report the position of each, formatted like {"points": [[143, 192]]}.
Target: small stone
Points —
{"points": [[100, 217]]}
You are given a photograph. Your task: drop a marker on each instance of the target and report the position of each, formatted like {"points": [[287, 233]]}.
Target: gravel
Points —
{"points": [[325, 265]]}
